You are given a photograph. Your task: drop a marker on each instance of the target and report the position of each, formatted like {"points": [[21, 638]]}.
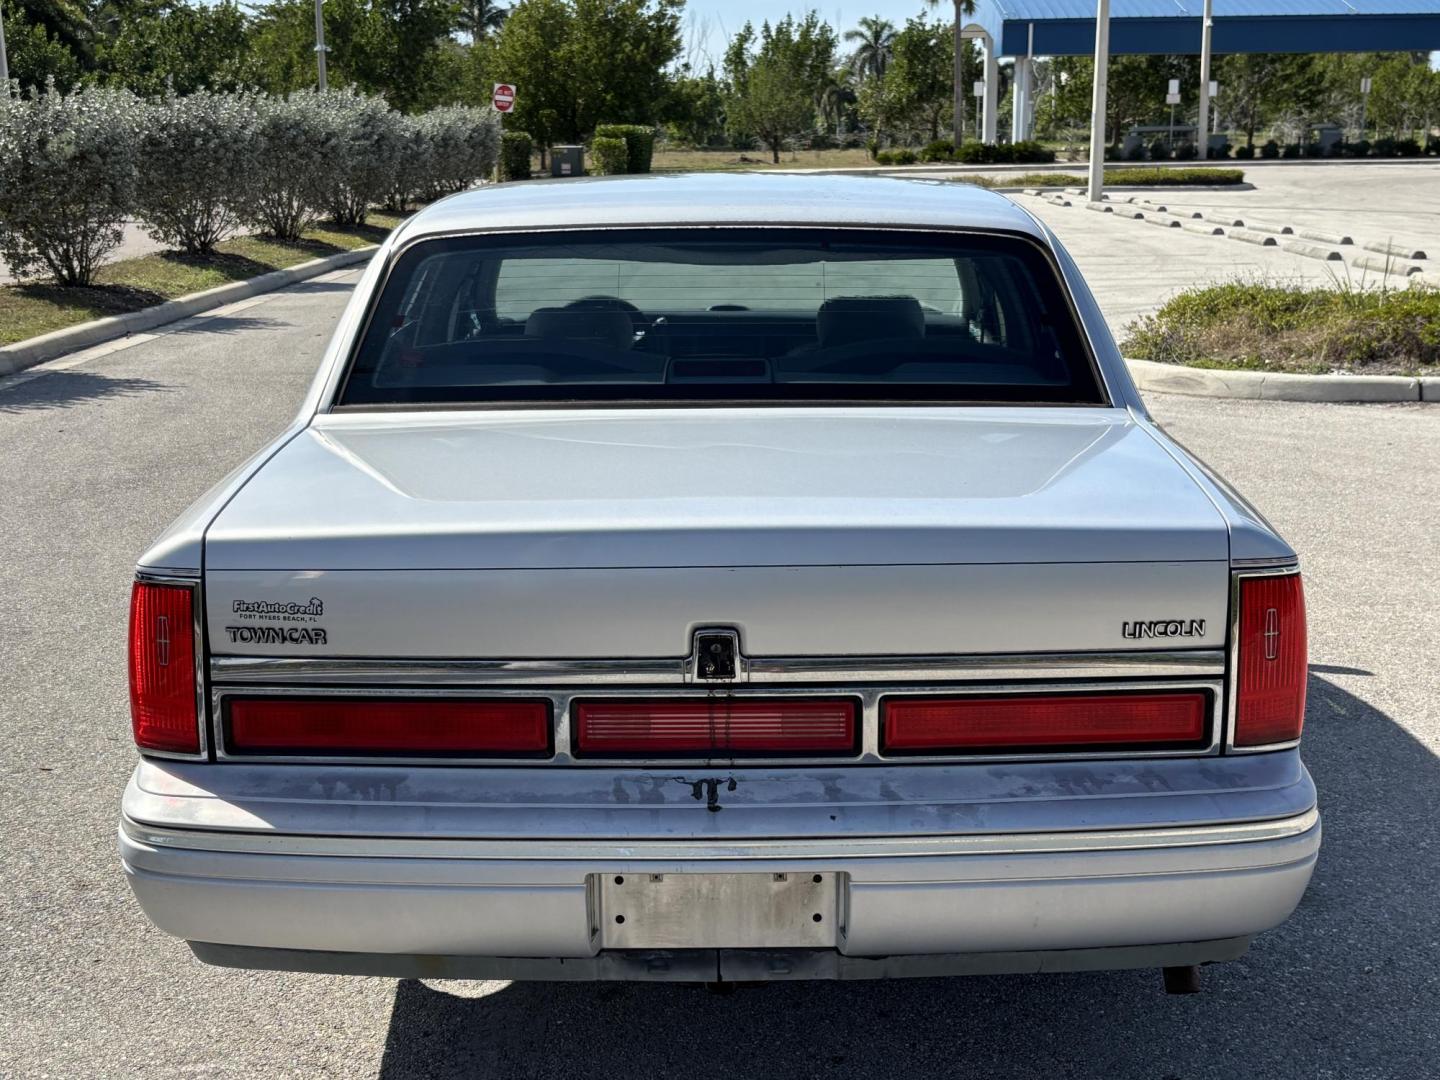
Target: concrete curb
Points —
{"points": [[37, 350], [1264, 386]]}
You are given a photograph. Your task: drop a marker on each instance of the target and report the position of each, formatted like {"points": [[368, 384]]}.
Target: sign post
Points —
{"points": [[1172, 99], [977, 90], [1364, 101], [1202, 125], [503, 98]]}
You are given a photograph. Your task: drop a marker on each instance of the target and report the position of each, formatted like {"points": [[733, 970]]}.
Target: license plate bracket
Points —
{"points": [[717, 911]]}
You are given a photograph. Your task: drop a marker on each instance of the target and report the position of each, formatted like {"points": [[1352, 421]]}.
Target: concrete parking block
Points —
{"points": [[1163, 222], [1385, 264], [1100, 207], [1324, 237], [1311, 251], [1203, 229], [1265, 226], [1228, 220], [1430, 388], [1400, 251], [1250, 236]]}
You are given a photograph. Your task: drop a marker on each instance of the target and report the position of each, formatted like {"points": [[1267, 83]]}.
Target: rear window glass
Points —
{"points": [[721, 315]]}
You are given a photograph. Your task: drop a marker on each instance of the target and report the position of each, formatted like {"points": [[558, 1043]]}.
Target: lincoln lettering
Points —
{"points": [[1164, 628], [276, 635]]}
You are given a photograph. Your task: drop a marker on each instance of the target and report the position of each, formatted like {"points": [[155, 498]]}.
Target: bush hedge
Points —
{"points": [[74, 167], [639, 144], [69, 165], [1293, 328], [515, 150], [609, 155]]}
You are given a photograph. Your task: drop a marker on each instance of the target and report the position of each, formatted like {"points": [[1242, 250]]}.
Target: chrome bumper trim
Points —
{"points": [[673, 670], [593, 850]]}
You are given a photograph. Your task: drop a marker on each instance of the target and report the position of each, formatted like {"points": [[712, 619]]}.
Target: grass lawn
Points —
{"points": [[1170, 176], [28, 310], [1267, 327]]}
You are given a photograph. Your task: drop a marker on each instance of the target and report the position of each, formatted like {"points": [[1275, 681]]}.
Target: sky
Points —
{"points": [[711, 22]]}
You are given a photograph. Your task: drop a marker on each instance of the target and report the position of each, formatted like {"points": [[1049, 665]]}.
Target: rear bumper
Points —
{"points": [[906, 905]]}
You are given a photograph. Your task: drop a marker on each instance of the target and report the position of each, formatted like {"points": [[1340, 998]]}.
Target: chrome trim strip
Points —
{"points": [[197, 619], [1280, 563], [591, 851], [1252, 569], [1188, 663], [869, 697]]}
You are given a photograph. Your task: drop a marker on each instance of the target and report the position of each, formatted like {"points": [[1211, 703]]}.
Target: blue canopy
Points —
{"points": [[1067, 27]]}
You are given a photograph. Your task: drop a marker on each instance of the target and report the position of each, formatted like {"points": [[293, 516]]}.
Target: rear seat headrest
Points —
{"points": [[845, 320], [612, 328]]}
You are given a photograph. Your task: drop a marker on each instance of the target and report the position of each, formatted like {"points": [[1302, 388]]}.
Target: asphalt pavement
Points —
{"points": [[100, 451]]}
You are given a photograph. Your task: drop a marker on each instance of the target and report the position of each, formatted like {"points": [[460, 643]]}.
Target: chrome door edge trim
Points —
{"points": [[1189, 663], [596, 850]]}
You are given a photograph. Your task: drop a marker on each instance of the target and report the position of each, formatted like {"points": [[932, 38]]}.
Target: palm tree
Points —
{"points": [[875, 37], [480, 17], [835, 95]]}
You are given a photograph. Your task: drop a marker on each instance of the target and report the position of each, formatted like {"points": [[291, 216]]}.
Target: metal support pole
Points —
{"points": [[990, 113], [4, 60], [1097, 102], [320, 49], [1020, 99], [959, 76], [1202, 128]]}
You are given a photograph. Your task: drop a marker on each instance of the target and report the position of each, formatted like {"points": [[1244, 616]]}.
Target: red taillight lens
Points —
{"points": [[1059, 721], [1273, 661], [715, 726], [162, 668], [382, 726]]}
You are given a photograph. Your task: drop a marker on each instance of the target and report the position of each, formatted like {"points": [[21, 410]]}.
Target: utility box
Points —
{"points": [[567, 161]]}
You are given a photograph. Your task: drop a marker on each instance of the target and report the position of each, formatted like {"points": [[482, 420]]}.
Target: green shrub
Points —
{"points": [[1294, 328], [609, 155], [365, 141], [1407, 147], [639, 143], [1030, 152], [1159, 150], [515, 150], [68, 172], [1292, 151], [972, 152], [1245, 153], [1186, 152], [196, 168], [461, 148], [1135, 153], [939, 150], [291, 144], [1270, 150]]}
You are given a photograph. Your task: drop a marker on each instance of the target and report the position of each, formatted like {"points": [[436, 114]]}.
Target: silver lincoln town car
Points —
{"points": [[711, 579]]}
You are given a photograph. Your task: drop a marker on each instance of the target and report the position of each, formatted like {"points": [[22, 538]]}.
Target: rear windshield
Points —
{"points": [[721, 315]]}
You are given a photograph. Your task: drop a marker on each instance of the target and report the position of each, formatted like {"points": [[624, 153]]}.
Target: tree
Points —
{"points": [[876, 38], [804, 50], [480, 18], [578, 63], [772, 104], [36, 56], [1257, 89], [917, 87], [695, 111], [151, 46]]}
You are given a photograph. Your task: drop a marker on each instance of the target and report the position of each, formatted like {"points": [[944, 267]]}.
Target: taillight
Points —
{"points": [[1272, 661], [1055, 721], [163, 708], [349, 726], [720, 725]]}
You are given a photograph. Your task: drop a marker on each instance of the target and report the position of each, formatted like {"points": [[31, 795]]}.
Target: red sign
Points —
{"points": [[504, 97]]}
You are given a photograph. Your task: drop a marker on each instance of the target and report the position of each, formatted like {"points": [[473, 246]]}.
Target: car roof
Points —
{"points": [[798, 199]]}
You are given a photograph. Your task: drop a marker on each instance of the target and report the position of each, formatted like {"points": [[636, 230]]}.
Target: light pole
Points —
{"points": [[959, 76], [1364, 98], [4, 62], [1097, 102], [1202, 125], [320, 49]]}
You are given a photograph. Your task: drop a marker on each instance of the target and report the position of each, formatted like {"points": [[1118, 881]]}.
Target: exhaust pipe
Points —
{"points": [[1182, 980]]}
